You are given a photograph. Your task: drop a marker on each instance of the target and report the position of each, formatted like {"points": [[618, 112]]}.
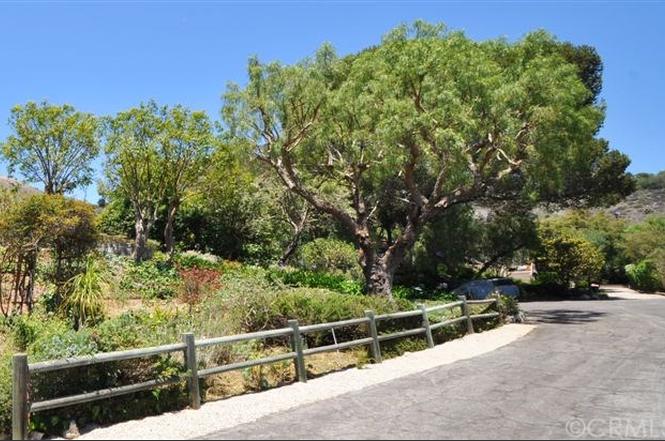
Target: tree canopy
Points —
{"points": [[52, 144], [451, 120]]}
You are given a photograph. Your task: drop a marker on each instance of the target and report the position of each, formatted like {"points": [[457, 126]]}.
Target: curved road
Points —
{"points": [[592, 369]]}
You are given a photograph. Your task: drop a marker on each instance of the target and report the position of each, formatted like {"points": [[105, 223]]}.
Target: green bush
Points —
{"points": [[5, 396], [644, 276], [311, 279], [26, 330], [46, 338], [330, 256], [152, 279], [194, 259], [418, 293], [508, 306]]}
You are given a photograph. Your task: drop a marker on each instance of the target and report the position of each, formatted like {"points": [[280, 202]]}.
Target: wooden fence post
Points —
{"points": [[192, 370], [296, 341], [374, 333], [426, 325], [20, 404], [467, 313]]}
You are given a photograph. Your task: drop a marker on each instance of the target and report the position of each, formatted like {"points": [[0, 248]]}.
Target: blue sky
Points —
{"points": [[104, 57]]}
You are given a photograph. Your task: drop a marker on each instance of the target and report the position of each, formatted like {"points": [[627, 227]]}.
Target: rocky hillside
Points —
{"points": [[640, 205]]}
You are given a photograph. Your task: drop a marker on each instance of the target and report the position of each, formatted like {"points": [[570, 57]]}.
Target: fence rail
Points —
{"points": [[22, 370]]}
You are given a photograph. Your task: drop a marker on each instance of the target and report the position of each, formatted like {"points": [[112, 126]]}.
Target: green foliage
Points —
{"points": [[605, 232], [117, 218], [27, 329], [330, 256], [134, 167], [5, 395], [648, 181], [152, 279], [428, 119], [195, 259], [564, 257], [641, 240], [61, 228], [84, 298], [311, 306], [311, 279], [644, 276], [140, 329], [186, 150], [55, 346], [51, 144], [508, 306]]}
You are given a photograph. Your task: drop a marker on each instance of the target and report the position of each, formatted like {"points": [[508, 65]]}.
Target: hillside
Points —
{"points": [[8, 183], [639, 205]]}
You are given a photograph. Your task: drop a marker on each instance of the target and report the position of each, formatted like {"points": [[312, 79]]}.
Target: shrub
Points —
{"points": [[330, 256], [419, 293], [25, 330], [311, 279], [46, 338], [152, 279], [644, 276], [194, 259], [5, 397], [508, 306], [565, 257], [52, 224], [84, 298], [196, 284]]}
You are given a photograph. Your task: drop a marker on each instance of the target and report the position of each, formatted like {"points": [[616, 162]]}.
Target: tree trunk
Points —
{"points": [[290, 249], [142, 228], [169, 240], [379, 280]]}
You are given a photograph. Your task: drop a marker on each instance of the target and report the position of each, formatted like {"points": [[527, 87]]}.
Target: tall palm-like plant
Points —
{"points": [[85, 293]]}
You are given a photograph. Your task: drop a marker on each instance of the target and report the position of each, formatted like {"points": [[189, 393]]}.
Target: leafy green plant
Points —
{"points": [[644, 276], [330, 256], [5, 396], [311, 279], [152, 279], [84, 298], [194, 259]]}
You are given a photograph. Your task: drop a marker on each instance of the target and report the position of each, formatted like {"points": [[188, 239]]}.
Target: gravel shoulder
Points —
{"points": [[245, 409]]}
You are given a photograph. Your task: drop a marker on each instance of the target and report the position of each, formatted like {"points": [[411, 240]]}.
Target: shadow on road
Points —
{"points": [[564, 316]]}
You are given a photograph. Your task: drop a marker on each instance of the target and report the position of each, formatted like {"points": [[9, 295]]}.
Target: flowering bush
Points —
{"points": [[196, 284]]}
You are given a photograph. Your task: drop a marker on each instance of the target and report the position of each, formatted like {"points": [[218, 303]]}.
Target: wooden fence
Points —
{"points": [[22, 370]]}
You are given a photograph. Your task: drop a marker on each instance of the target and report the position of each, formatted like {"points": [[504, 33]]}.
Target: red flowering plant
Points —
{"points": [[196, 284]]}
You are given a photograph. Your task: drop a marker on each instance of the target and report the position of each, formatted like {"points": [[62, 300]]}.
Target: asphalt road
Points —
{"points": [[592, 369]]}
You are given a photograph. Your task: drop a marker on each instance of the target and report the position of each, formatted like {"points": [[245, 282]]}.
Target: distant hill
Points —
{"points": [[639, 205], [8, 183]]}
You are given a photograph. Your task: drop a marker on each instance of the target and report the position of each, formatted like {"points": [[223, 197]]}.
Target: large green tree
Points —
{"points": [[186, 154], [134, 166], [454, 120], [52, 144]]}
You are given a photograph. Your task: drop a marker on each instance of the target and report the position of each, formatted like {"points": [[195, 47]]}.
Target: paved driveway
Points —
{"points": [[593, 369]]}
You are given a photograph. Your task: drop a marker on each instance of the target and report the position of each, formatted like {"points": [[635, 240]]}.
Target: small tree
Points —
{"points": [[51, 144], [63, 227], [565, 257]]}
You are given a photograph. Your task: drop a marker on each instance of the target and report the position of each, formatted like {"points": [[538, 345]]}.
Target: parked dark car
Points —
{"points": [[482, 288]]}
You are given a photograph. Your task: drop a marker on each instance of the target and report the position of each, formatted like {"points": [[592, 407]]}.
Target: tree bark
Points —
{"points": [[169, 240], [290, 249], [379, 279], [142, 228]]}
